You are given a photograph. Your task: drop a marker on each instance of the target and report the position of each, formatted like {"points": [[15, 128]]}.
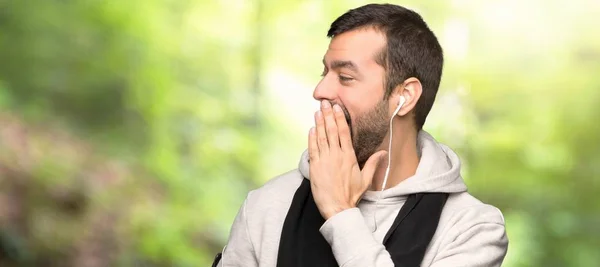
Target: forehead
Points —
{"points": [[360, 46]]}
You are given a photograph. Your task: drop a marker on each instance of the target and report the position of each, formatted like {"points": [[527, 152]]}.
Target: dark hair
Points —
{"points": [[412, 49]]}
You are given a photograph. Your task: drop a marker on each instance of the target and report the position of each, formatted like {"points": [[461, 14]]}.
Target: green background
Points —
{"points": [[131, 131]]}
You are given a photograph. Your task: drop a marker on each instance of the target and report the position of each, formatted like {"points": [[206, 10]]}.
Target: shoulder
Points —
{"points": [[266, 209], [463, 211], [472, 233], [275, 194]]}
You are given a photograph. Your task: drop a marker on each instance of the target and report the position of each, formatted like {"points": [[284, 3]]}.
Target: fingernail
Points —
{"points": [[337, 108], [312, 130], [325, 104], [319, 114]]}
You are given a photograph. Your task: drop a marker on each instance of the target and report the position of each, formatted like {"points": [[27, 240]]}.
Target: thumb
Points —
{"points": [[371, 165]]}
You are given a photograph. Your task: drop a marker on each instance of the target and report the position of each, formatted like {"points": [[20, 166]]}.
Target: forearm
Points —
{"points": [[352, 242]]}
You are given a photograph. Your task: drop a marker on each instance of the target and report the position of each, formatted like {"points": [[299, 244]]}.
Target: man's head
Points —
{"points": [[378, 53]]}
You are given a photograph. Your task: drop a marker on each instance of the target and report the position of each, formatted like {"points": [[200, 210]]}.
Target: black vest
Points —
{"points": [[302, 245]]}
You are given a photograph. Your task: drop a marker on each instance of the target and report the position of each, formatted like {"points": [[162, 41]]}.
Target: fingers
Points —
{"points": [[322, 142], [343, 129], [332, 131], [330, 125], [313, 148]]}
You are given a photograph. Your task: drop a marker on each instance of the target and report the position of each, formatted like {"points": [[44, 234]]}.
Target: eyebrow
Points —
{"points": [[338, 64]]}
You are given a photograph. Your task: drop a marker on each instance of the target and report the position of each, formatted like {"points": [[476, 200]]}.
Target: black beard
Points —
{"points": [[368, 131]]}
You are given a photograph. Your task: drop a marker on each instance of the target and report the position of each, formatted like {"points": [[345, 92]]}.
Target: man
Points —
{"points": [[343, 206]]}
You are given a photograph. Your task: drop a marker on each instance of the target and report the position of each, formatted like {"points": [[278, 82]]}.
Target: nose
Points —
{"points": [[325, 91]]}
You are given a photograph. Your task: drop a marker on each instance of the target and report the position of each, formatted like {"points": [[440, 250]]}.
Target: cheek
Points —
{"points": [[361, 98]]}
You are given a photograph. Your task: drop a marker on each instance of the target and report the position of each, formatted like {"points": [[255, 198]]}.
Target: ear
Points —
{"points": [[411, 89]]}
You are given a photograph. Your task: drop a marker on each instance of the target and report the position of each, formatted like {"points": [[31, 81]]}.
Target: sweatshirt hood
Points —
{"points": [[438, 171]]}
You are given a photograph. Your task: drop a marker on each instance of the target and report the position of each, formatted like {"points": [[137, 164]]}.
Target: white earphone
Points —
{"points": [[387, 170], [401, 102]]}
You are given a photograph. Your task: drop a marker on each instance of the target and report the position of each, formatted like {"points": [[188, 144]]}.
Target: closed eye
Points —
{"points": [[345, 78]]}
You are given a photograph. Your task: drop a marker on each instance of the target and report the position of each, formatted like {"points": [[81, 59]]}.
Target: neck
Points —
{"points": [[404, 160]]}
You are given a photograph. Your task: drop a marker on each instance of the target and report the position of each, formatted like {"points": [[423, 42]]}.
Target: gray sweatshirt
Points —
{"points": [[470, 233]]}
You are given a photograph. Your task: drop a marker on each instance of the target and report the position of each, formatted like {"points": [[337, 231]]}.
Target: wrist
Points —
{"points": [[335, 210]]}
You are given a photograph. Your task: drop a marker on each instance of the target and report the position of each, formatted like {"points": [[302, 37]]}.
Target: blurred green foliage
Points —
{"points": [[131, 131]]}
